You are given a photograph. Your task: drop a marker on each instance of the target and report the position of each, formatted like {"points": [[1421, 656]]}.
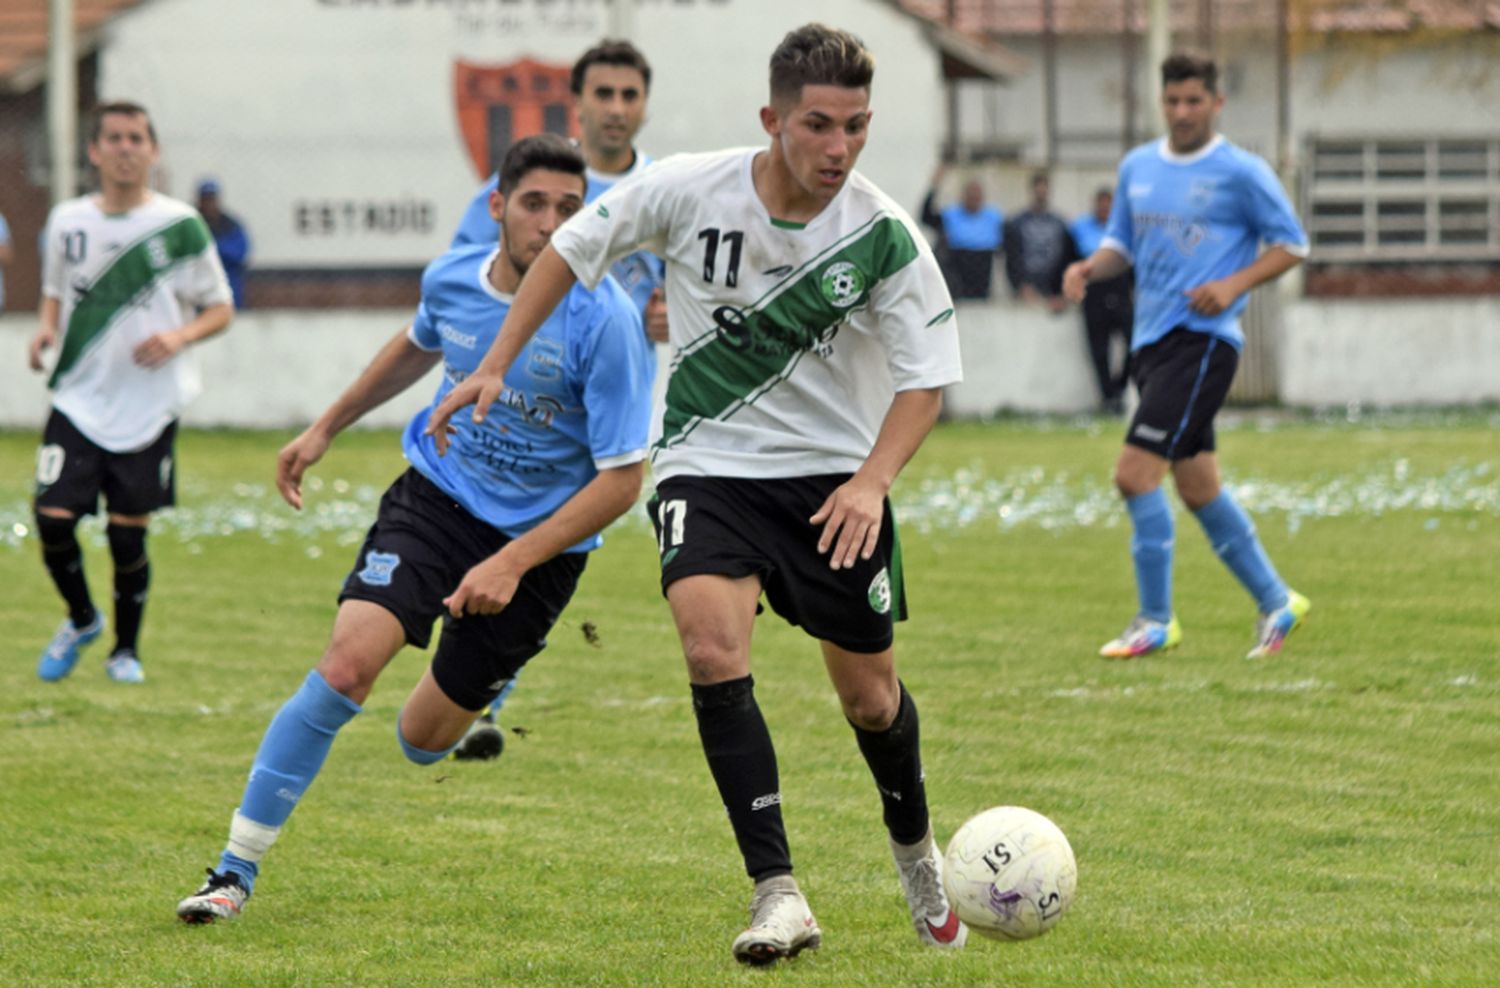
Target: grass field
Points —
{"points": [[1331, 816]]}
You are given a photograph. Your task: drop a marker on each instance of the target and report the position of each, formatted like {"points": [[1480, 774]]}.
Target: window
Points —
{"points": [[1403, 199]]}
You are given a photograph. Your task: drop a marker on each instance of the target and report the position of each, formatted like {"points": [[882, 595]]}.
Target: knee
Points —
{"points": [[1130, 483], [872, 706], [127, 545], [54, 530], [347, 672], [712, 658]]}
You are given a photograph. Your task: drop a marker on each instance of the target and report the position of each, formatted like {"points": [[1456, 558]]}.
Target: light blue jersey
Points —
{"points": [[577, 399], [1186, 220], [1088, 233], [982, 229], [639, 274]]}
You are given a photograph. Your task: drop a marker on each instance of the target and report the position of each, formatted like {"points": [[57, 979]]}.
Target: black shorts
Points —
{"points": [[738, 527], [417, 552], [72, 471], [1183, 378]]}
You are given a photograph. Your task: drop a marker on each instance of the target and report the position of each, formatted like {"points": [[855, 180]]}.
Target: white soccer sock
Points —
{"points": [[250, 840]]}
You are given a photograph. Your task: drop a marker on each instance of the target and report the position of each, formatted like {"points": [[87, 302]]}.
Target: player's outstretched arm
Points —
{"points": [[398, 365], [159, 348], [1101, 265], [545, 285], [489, 586], [852, 514]]}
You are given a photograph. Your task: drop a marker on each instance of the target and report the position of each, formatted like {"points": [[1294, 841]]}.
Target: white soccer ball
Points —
{"points": [[1010, 873]]}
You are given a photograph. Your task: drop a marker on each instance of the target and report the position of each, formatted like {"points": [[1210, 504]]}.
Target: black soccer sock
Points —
{"points": [[64, 561], [127, 546], [895, 759], [743, 762]]}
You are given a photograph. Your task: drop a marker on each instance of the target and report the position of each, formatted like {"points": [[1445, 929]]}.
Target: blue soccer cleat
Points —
{"points": [[1272, 629], [125, 667], [61, 653]]}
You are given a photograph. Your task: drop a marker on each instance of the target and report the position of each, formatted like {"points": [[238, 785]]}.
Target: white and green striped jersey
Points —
{"points": [[120, 278], [788, 340]]}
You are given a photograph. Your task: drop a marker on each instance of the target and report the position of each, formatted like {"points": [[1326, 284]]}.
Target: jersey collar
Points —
{"points": [[484, 277], [1164, 148]]}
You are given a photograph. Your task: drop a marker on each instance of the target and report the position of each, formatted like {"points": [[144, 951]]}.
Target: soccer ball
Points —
{"points": [[1010, 873]]}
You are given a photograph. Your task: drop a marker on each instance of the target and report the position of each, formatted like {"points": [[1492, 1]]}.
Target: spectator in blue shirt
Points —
{"points": [[7, 253], [230, 238], [1107, 306], [971, 232]]}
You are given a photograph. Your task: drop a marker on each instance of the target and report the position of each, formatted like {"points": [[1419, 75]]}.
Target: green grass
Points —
{"points": [[1331, 816]]}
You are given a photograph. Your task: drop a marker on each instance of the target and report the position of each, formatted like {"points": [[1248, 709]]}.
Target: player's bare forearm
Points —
{"points": [[1101, 265], [907, 422], [210, 322], [46, 333], [397, 366], [1271, 264], [487, 587]]}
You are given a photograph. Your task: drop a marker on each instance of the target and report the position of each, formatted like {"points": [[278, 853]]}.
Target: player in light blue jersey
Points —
{"points": [[493, 536], [1203, 222], [611, 83]]}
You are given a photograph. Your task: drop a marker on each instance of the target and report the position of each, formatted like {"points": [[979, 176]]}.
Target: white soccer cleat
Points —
{"points": [[221, 897], [920, 867], [1271, 630], [124, 667], [781, 924]]}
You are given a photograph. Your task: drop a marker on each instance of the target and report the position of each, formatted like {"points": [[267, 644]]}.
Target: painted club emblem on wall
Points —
{"points": [[500, 104]]}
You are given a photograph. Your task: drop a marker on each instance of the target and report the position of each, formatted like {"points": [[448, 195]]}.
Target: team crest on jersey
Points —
{"points": [[843, 284], [379, 567], [880, 592], [156, 253], [497, 104], [1201, 193]]}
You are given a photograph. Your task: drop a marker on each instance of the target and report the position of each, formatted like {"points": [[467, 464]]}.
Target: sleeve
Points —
{"points": [[202, 281], [632, 215], [618, 371], [1270, 211], [52, 258], [916, 321], [477, 226], [1119, 232], [423, 331]]}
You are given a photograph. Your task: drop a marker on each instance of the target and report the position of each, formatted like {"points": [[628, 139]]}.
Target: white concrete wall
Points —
{"points": [[280, 369]]}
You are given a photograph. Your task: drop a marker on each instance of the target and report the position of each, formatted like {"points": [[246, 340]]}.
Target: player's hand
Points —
{"points": [[851, 522], [294, 459], [1056, 304], [656, 317], [43, 341], [158, 348], [487, 588], [479, 390], [1211, 298], [1076, 280]]}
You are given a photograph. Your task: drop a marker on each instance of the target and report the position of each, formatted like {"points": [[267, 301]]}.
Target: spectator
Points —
{"points": [[230, 238], [7, 254], [971, 232], [1108, 308], [1038, 248]]}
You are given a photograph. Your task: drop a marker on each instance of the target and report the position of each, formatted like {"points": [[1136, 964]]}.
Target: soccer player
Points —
{"points": [[1191, 213], [496, 533], [812, 335], [129, 280], [611, 83]]}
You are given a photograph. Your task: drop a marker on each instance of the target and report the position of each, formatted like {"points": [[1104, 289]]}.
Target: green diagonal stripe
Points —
{"points": [[134, 273], [725, 371]]}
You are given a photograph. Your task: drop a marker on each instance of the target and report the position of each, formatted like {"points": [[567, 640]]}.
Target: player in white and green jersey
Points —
{"points": [[130, 278], [811, 335]]}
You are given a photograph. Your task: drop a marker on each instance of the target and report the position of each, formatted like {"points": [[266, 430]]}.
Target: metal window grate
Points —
{"points": [[1403, 199]]}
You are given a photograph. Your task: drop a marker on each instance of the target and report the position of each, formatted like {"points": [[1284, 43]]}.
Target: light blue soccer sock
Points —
{"points": [[1151, 548], [421, 756], [290, 755], [1232, 534]]}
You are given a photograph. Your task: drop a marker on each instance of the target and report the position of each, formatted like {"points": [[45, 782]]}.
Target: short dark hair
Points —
{"points": [[1184, 65], [610, 51], [545, 151], [122, 108], [818, 55]]}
